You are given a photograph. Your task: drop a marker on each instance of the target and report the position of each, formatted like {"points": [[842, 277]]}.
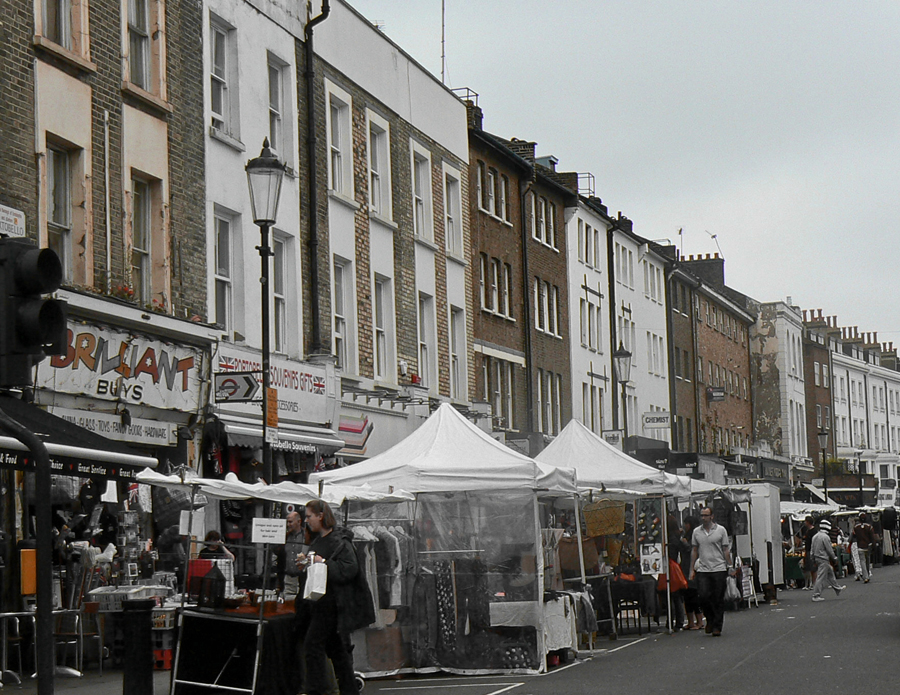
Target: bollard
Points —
{"points": [[137, 623]]}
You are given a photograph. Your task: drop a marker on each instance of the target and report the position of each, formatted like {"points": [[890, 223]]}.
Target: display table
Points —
{"points": [[217, 650]]}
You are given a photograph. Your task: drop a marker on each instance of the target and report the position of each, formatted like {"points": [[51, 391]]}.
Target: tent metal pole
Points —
{"points": [[580, 540]]}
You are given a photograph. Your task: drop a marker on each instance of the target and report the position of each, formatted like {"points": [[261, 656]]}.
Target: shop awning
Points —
{"points": [[73, 450], [299, 438]]}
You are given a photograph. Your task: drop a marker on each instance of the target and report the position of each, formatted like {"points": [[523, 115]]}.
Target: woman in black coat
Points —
{"points": [[325, 625]]}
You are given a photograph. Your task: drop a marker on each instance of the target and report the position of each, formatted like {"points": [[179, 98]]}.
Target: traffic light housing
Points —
{"points": [[31, 326]]}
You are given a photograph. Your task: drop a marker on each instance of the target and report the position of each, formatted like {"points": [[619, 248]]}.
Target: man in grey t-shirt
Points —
{"points": [[710, 565]]}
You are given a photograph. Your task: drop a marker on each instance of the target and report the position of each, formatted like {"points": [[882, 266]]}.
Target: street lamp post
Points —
{"points": [[622, 363], [264, 176], [823, 444]]}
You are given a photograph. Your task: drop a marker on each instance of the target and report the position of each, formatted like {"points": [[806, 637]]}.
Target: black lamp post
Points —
{"points": [[264, 175], [823, 444], [622, 364]]}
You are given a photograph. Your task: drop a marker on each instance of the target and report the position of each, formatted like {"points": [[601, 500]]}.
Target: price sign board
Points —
{"points": [[269, 531]]}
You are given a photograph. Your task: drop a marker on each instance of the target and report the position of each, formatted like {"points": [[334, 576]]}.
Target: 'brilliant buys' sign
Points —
{"points": [[115, 365]]}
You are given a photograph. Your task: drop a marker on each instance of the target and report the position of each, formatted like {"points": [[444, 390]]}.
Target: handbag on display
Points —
{"points": [[316, 579]]}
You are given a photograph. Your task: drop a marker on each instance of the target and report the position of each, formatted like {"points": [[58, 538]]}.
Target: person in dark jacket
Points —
{"points": [[325, 625]]}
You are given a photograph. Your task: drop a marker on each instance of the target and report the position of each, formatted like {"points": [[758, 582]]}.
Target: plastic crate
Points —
{"points": [[111, 598], [163, 639], [164, 618]]}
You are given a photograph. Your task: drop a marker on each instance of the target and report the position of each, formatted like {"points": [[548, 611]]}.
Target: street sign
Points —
{"points": [[12, 222], [715, 393], [237, 387]]}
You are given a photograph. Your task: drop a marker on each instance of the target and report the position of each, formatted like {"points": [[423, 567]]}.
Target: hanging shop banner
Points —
{"points": [[125, 367], [302, 390]]}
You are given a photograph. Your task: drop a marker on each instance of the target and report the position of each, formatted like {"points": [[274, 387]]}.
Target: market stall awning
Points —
{"points": [[231, 488], [299, 438], [73, 450]]}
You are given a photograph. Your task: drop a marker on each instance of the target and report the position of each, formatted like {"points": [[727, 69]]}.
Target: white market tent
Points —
{"points": [[598, 464], [478, 522], [450, 454]]}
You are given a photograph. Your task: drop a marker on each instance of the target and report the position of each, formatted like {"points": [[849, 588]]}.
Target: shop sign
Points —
{"points": [[614, 438], [715, 393], [300, 387], [124, 367], [12, 222], [774, 472], [140, 431], [657, 420], [68, 465]]}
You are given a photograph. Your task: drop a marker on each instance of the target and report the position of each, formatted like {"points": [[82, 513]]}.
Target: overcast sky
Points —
{"points": [[772, 125]]}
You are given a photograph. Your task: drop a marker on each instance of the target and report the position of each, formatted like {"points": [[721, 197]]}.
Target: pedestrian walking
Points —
{"points": [[807, 531], [710, 566], [823, 554], [862, 537]]}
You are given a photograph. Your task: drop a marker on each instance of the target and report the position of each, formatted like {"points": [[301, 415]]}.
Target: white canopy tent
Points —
{"points": [[598, 464], [450, 454]]}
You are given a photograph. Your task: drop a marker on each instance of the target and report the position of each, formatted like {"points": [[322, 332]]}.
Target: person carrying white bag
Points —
{"points": [[325, 620]]}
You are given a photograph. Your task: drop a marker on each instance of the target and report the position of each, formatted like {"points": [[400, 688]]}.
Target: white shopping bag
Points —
{"points": [[316, 580]]}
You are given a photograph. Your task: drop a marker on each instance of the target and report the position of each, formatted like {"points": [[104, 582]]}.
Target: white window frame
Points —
{"points": [[342, 309], [458, 370], [140, 68], [225, 279], [59, 205], [338, 133], [426, 337], [281, 249], [507, 308], [491, 191], [504, 213], [380, 302], [379, 160], [141, 225], [420, 163], [223, 76], [453, 231], [59, 31]]}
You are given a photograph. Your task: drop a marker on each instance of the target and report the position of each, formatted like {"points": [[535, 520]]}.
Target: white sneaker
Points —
{"points": [[838, 590], [818, 598]]}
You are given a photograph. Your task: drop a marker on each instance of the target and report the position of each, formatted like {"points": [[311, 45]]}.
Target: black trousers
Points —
{"points": [[317, 628], [711, 591]]}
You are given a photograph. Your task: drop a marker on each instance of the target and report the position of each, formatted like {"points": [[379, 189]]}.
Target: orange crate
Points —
{"points": [[162, 659]]}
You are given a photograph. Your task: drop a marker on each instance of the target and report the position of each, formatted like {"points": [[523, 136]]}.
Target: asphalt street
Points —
{"points": [[843, 645]]}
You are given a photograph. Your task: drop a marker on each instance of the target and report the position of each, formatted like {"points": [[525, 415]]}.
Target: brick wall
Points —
{"points": [[405, 287]]}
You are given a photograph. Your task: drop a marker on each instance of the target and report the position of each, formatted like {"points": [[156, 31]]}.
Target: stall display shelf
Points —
{"points": [[111, 598], [164, 618]]}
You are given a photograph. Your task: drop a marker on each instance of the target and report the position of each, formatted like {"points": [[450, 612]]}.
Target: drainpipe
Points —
{"points": [[311, 140], [673, 396], [524, 188], [613, 327]]}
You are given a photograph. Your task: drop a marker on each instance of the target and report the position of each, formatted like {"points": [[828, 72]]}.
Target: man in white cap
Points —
{"points": [[824, 556]]}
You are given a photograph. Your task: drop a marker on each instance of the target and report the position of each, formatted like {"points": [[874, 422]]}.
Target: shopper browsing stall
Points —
{"points": [[824, 556]]}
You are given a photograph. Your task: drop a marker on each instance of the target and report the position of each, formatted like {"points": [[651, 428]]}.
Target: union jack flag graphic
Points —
{"points": [[227, 364], [318, 385]]}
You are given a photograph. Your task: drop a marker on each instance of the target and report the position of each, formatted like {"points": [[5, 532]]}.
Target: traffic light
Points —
{"points": [[31, 325]]}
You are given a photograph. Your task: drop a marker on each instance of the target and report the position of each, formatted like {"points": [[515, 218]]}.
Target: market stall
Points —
{"points": [[469, 596], [634, 547]]}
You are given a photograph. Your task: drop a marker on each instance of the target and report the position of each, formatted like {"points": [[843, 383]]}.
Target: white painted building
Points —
{"points": [[779, 406], [397, 233], [587, 225], [251, 79], [639, 293]]}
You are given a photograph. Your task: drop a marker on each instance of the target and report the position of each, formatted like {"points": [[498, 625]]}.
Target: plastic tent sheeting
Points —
{"points": [[447, 453], [598, 464], [798, 511]]}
